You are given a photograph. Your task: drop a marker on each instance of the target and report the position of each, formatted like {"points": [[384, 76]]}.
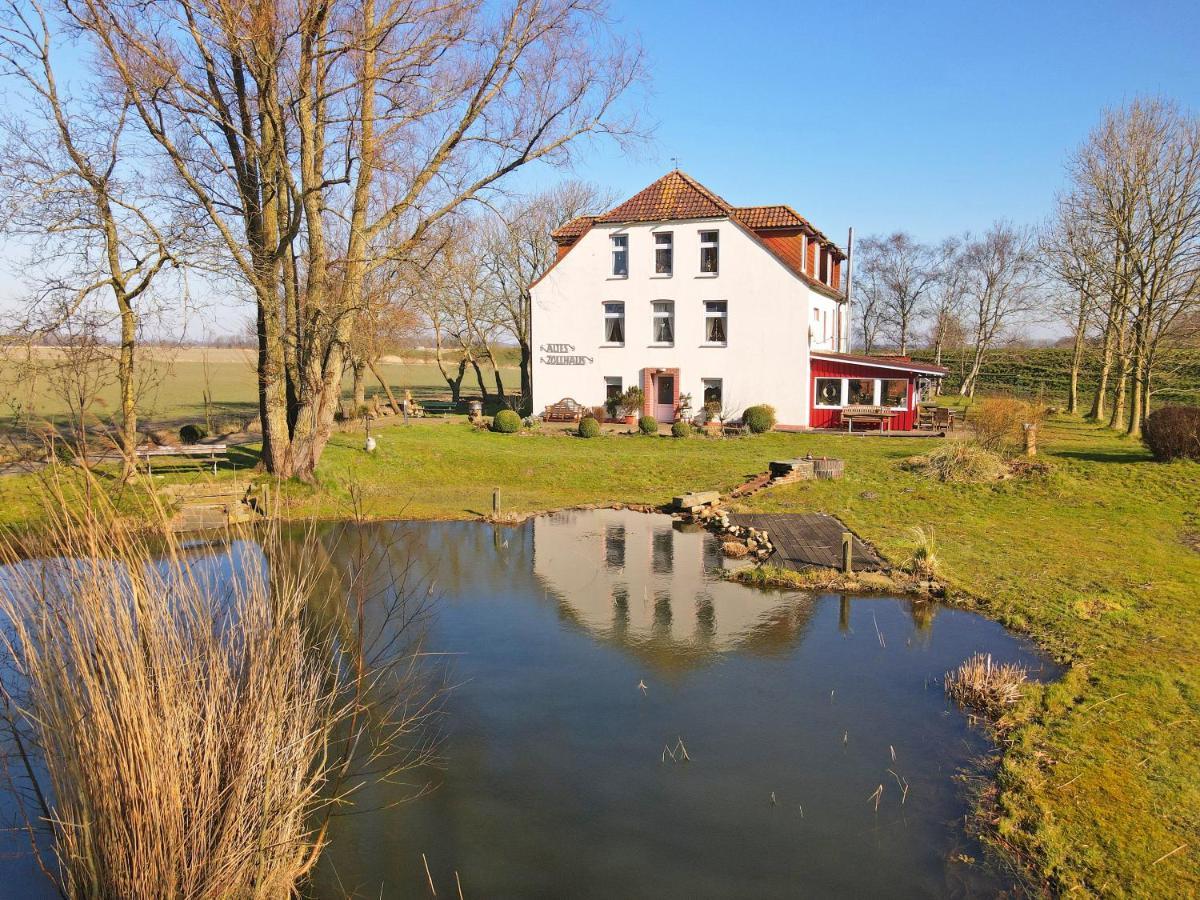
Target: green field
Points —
{"points": [[1045, 372], [1099, 561], [172, 386]]}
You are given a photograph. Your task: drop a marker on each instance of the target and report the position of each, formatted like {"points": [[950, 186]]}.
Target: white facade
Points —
{"points": [[772, 317]]}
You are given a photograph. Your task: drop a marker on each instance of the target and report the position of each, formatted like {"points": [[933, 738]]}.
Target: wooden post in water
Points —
{"points": [[496, 503], [847, 552]]}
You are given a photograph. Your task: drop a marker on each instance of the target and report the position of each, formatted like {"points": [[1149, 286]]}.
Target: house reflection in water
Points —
{"points": [[632, 578]]}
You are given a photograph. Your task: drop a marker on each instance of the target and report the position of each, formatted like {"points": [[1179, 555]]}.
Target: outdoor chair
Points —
{"points": [[943, 418]]}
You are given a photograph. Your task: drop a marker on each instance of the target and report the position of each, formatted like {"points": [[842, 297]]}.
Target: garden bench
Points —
{"points": [[212, 451], [877, 414], [565, 410], [438, 407]]}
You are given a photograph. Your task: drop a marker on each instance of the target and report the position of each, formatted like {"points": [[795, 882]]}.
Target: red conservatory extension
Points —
{"points": [[894, 383]]}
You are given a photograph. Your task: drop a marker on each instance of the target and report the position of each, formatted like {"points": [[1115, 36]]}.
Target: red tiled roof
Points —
{"points": [[572, 230], [777, 216], [674, 196]]}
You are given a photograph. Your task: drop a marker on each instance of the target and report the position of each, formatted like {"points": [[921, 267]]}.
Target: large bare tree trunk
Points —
{"points": [[1099, 399], [1077, 355]]}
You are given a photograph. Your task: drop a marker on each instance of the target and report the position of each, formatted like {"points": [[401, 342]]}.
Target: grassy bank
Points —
{"points": [[1096, 560]]}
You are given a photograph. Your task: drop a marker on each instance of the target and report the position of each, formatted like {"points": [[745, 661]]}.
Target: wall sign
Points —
{"points": [[562, 355]]}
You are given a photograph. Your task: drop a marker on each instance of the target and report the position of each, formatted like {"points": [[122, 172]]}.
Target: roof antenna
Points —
{"points": [[675, 160]]}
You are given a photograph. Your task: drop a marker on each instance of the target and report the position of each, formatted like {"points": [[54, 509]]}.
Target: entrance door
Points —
{"points": [[664, 396]]}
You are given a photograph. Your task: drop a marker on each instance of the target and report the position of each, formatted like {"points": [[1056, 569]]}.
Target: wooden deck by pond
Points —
{"points": [[803, 540]]}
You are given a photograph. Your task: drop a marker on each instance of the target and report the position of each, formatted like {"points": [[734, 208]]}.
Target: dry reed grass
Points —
{"points": [[958, 462], [923, 561], [998, 422], [982, 685], [195, 732]]}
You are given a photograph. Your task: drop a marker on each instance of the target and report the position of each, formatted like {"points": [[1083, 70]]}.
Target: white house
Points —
{"points": [[682, 293]]}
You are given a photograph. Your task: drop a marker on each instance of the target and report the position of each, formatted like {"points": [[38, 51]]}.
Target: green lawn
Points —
{"points": [[1100, 789]]}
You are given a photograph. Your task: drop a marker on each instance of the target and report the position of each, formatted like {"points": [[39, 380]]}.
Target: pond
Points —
{"points": [[588, 650]]}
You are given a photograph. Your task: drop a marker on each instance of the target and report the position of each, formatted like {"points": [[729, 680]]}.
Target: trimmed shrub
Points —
{"points": [[192, 433], [759, 418], [1173, 432], [681, 429], [648, 425], [506, 422], [999, 422], [958, 462], [589, 427]]}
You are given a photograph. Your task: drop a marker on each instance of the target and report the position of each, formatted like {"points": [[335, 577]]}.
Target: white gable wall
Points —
{"points": [[764, 361]]}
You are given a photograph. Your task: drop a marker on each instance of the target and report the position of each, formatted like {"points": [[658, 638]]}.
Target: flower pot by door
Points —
{"points": [[664, 398]]}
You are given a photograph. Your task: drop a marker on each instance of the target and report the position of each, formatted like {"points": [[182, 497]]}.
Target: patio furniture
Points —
{"points": [[924, 417], [565, 410], [877, 414], [943, 418], [212, 451]]}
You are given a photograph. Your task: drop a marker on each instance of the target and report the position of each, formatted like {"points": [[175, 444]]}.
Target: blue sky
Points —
{"points": [[931, 117]]}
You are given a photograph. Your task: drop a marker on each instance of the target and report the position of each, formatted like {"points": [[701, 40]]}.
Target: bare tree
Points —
{"points": [[946, 299], [901, 272], [73, 194], [517, 249], [1001, 270], [1137, 180], [870, 298], [303, 132]]}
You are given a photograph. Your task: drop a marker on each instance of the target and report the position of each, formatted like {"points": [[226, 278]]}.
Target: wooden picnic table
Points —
{"points": [[883, 418], [212, 451]]}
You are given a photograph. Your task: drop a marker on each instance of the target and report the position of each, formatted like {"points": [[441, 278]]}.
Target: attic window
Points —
{"points": [[620, 255]]}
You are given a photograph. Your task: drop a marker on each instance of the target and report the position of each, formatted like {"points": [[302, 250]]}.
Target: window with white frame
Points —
{"points": [[828, 392], [664, 253], [614, 323], [716, 315], [664, 322], [620, 255], [612, 388], [860, 391], [713, 391], [709, 257], [893, 393]]}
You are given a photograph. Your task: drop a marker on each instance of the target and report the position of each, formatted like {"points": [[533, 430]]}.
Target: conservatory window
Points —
{"points": [[894, 393], [829, 392], [860, 391]]}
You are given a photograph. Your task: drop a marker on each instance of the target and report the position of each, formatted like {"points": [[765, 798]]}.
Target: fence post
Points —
{"points": [[847, 552], [496, 503]]}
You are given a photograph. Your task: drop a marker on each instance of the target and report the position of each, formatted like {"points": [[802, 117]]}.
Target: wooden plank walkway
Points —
{"points": [[803, 540]]}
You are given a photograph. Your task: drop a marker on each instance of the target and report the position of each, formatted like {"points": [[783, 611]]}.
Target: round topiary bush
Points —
{"points": [[589, 427], [506, 422], [759, 418], [681, 429], [1173, 432], [192, 433], [648, 425]]}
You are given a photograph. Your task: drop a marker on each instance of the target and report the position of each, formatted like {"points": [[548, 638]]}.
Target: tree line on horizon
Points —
{"points": [[1118, 265]]}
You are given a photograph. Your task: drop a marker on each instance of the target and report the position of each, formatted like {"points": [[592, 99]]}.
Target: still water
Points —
{"points": [[554, 781], [583, 649]]}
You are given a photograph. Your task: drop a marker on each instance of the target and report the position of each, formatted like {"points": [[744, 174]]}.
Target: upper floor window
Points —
{"points": [[664, 253], [708, 252], [824, 266], [664, 322], [620, 255], [614, 323], [716, 313]]}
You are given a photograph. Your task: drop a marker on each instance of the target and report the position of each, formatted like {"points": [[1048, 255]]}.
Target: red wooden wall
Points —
{"points": [[832, 418]]}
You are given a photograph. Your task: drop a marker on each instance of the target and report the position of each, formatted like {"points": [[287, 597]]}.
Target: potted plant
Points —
{"points": [[631, 404], [612, 405], [685, 408], [712, 417]]}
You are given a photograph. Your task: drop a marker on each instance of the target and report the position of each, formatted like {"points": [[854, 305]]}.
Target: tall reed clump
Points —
{"points": [[958, 462], [923, 561], [980, 684], [999, 423], [185, 735]]}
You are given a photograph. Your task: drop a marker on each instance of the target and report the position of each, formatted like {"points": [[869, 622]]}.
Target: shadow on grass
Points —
{"points": [[1127, 456]]}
